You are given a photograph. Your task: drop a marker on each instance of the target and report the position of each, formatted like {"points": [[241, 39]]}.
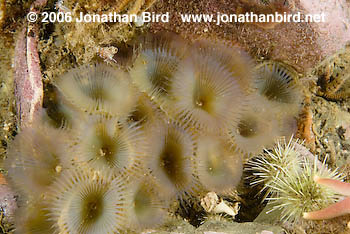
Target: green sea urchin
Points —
{"points": [[288, 175], [275, 163], [297, 192]]}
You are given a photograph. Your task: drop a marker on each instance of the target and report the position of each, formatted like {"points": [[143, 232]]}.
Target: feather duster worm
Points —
{"points": [[145, 114], [106, 143], [172, 160], [277, 83], [206, 90], [36, 158], [148, 206], [219, 167], [205, 93], [59, 112], [157, 61], [33, 219], [232, 58], [98, 88], [288, 124], [88, 203], [256, 128]]}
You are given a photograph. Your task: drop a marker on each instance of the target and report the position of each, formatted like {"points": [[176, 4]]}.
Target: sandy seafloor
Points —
{"points": [[330, 118]]}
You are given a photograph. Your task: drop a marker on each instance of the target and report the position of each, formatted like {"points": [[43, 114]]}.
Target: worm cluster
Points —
{"points": [[178, 123]]}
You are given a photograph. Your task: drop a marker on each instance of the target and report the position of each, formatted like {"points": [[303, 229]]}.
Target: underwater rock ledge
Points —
{"points": [[301, 45]]}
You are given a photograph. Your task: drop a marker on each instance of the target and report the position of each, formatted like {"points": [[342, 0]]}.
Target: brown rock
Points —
{"points": [[8, 204], [301, 45], [28, 78]]}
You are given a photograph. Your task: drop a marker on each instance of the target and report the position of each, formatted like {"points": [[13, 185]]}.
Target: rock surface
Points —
{"points": [[301, 45], [8, 205], [218, 227]]}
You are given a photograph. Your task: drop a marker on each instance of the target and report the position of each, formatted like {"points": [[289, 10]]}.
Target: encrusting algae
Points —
{"points": [[175, 125]]}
